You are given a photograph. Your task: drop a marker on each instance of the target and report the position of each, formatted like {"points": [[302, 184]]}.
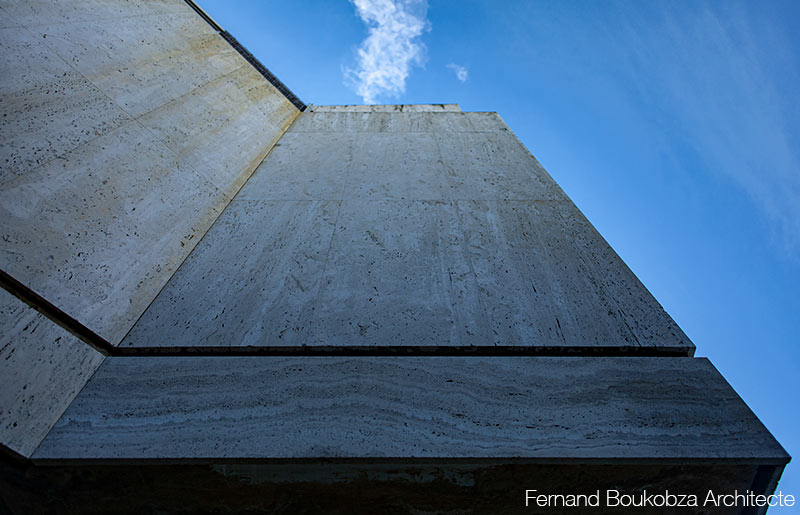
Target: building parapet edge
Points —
{"points": [[387, 108], [250, 58]]}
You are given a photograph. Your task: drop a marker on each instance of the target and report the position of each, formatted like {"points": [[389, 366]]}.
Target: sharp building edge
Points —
{"points": [[210, 287]]}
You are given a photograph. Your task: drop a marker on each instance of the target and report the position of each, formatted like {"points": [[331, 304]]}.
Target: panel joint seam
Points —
{"points": [[55, 314]]}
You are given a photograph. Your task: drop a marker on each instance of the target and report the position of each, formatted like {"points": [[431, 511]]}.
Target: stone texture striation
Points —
{"points": [[139, 408], [375, 228]]}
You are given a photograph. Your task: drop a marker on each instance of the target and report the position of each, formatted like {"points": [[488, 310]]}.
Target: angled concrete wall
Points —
{"points": [[43, 367], [127, 127], [376, 227]]}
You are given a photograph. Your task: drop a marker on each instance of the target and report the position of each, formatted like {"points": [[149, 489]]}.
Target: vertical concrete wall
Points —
{"points": [[377, 227], [126, 128]]}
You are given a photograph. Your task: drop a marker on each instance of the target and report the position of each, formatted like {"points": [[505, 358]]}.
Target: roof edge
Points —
{"points": [[387, 108], [250, 58]]}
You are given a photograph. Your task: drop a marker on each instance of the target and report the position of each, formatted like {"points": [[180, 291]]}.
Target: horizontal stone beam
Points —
{"points": [[180, 409]]}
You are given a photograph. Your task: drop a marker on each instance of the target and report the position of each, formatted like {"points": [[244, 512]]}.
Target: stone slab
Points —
{"points": [[99, 231], [306, 167], [442, 240], [224, 129], [99, 209], [398, 275], [547, 278], [392, 119], [259, 271], [6, 20], [474, 164], [143, 62], [43, 367], [35, 13], [396, 166], [493, 166], [147, 408], [47, 107], [405, 274], [292, 282]]}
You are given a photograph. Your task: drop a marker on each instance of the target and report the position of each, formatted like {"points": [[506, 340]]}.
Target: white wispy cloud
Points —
{"points": [[391, 49], [461, 72]]}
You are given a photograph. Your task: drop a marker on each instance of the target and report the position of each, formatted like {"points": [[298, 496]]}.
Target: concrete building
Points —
{"points": [[217, 297]]}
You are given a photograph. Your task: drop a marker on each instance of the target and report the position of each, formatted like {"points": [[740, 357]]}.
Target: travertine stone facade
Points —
{"points": [[127, 127]]}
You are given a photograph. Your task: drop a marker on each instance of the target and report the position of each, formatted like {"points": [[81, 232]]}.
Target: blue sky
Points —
{"points": [[673, 126]]}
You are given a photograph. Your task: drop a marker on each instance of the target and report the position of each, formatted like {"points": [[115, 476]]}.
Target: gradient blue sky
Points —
{"points": [[674, 127]]}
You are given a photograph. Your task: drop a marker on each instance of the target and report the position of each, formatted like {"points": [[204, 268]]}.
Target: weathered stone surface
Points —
{"points": [[251, 289], [224, 129], [127, 127], [399, 166], [42, 367], [398, 274], [35, 13], [47, 107], [375, 118], [407, 407], [143, 62], [6, 20], [493, 166], [99, 231], [444, 238], [320, 174], [546, 277]]}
